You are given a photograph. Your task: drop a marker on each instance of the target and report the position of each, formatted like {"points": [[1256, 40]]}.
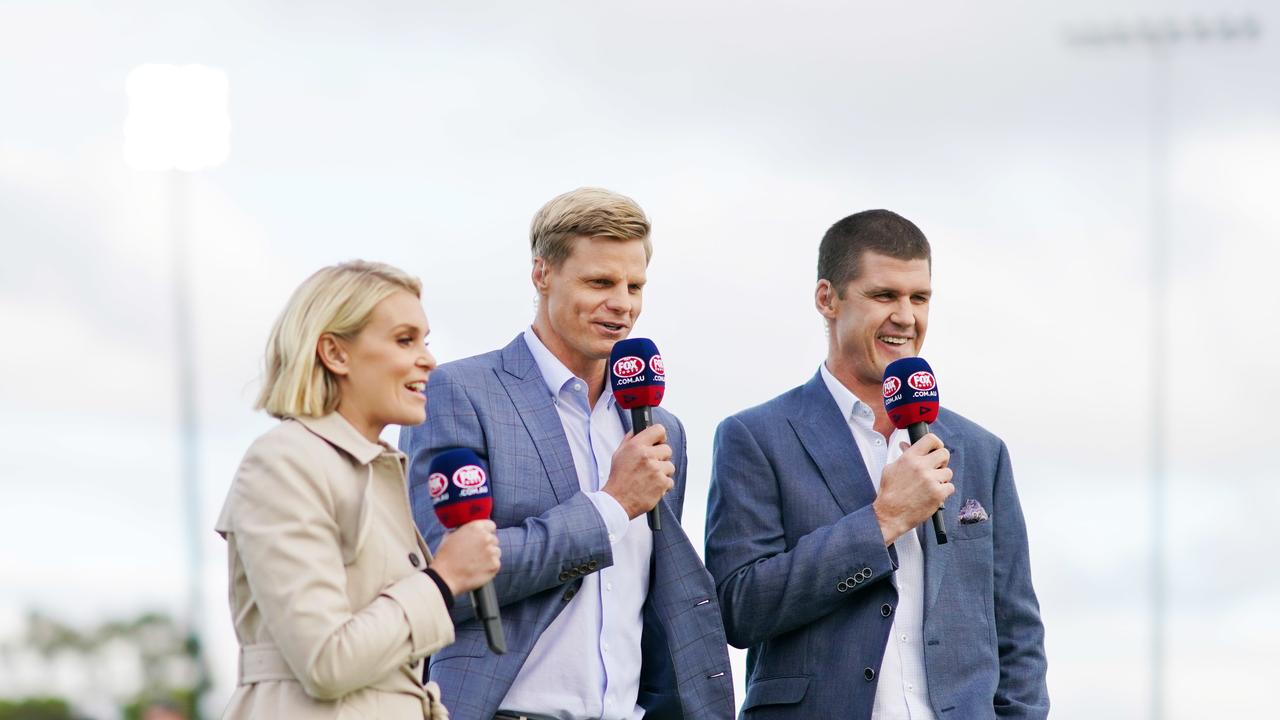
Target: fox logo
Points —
{"points": [[437, 483], [655, 362], [469, 476], [922, 380], [627, 367]]}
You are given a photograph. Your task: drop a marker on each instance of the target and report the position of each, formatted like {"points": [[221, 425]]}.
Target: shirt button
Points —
{"points": [[413, 559], [612, 537], [910, 686], [879, 441], [904, 638], [577, 387], [608, 586], [604, 646]]}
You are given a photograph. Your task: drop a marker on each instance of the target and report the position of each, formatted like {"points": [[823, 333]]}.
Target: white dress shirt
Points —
{"points": [[587, 662], [903, 690]]}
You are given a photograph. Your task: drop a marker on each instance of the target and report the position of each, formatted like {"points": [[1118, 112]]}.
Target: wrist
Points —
{"points": [[631, 512], [888, 528], [446, 577], [446, 592]]}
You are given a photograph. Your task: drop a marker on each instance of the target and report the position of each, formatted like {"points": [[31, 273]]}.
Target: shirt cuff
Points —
{"points": [[615, 518]]}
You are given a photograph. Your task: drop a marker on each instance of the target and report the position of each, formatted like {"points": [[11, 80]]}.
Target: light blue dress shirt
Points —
{"points": [[587, 662]]}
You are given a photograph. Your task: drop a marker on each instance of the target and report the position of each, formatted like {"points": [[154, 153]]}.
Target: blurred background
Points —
{"points": [[1098, 180]]}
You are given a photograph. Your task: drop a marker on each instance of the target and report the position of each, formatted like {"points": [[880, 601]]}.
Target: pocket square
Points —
{"points": [[972, 513]]}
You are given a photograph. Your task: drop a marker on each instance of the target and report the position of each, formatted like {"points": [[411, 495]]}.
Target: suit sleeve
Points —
{"points": [[537, 553], [283, 524], [764, 587], [1022, 692]]}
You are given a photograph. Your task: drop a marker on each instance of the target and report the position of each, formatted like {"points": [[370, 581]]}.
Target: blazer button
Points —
{"points": [[568, 594], [842, 586], [591, 566], [869, 674], [413, 559], [853, 580], [564, 576], [886, 610]]}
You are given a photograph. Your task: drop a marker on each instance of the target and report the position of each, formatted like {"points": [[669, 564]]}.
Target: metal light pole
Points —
{"points": [[1159, 39], [178, 123]]}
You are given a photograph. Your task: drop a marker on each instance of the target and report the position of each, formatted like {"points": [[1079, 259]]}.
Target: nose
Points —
{"points": [[903, 314], [426, 360], [620, 300]]}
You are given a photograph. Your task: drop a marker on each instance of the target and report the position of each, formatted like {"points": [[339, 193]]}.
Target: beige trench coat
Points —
{"points": [[331, 608]]}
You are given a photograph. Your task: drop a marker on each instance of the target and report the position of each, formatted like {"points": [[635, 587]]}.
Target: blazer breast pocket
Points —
{"points": [[972, 531]]}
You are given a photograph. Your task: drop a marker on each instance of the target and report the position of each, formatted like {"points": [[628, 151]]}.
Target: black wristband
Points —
{"points": [[444, 587]]}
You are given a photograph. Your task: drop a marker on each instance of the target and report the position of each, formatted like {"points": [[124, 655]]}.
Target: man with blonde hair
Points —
{"points": [[604, 618]]}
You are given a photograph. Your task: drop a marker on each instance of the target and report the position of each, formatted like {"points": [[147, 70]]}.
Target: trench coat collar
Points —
{"points": [[335, 430]]}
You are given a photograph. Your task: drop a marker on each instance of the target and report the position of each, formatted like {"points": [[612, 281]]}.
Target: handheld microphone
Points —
{"points": [[459, 485], [911, 399], [639, 380]]}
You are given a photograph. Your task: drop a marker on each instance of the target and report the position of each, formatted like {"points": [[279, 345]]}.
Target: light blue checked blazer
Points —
{"points": [[803, 574], [498, 405]]}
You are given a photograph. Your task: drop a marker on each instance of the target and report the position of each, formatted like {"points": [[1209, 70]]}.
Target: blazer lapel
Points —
{"points": [[936, 557], [826, 437], [536, 409]]}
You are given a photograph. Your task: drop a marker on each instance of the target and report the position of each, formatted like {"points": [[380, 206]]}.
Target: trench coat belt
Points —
{"points": [[263, 662]]}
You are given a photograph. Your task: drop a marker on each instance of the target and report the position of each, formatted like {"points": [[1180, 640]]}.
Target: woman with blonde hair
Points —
{"points": [[335, 598]]}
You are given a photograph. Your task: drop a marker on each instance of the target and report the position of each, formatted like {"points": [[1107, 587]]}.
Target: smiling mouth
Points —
{"points": [[612, 327], [419, 386], [893, 340]]}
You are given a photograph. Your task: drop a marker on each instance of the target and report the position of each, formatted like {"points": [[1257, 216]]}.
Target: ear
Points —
{"points": [[824, 299], [333, 354], [541, 270]]}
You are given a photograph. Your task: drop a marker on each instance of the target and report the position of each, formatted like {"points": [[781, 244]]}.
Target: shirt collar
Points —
{"points": [[554, 373], [845, 399], [335, 430]]}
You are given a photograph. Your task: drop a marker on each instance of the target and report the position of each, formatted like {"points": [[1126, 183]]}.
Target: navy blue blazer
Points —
{"points": [[802, 572], [498, 405]]}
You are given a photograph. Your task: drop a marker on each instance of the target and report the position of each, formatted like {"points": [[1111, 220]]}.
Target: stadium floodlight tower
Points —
{"points": [[179, 124], [1158, 38]]}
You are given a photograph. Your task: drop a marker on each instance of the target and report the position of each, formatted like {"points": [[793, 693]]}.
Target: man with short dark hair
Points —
{"points": [[817, 533], [604, 619]]}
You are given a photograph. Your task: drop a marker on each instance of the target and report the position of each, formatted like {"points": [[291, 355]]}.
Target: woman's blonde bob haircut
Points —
{"points": [[337, 300]]}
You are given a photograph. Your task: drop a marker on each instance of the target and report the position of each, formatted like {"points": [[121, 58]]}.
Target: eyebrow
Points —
{"points": [[406, 326], [895, 291]]}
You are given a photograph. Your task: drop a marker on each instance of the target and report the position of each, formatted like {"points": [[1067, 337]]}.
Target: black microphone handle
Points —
{"points": [[485, 600], [915, 431], [641, 419]]}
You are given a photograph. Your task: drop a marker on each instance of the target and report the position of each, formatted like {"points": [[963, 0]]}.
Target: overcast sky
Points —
{"points": [[427, 135]]}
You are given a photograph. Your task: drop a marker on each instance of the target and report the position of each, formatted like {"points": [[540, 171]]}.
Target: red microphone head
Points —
{"points": [[910, 392], [459, 485], [636, 373]]}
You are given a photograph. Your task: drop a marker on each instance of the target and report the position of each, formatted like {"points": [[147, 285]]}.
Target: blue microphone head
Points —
{"points": [[458, 481], [910, 392], [636, 373]]}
